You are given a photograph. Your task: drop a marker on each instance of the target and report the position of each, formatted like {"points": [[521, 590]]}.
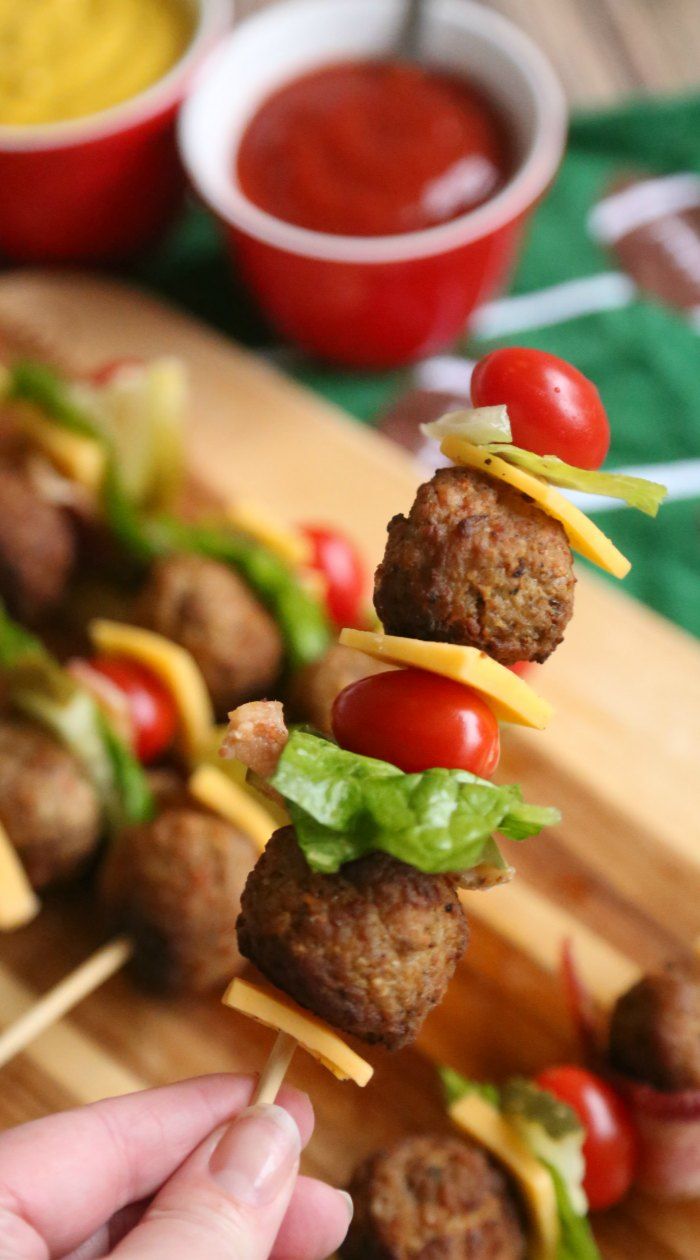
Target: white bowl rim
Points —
{"points": [[213, 18], [519, 193]]}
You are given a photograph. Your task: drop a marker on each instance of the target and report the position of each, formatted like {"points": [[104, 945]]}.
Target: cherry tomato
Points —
{"points": [[151, 707], [554, 409], [338, 560], [611, 1145], [417, 720], [105, 373], [522, 668]]}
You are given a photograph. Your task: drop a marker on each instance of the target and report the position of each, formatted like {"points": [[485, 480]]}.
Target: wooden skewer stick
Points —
{"points": [[105, 962], [275, 1069], [18, 901]]}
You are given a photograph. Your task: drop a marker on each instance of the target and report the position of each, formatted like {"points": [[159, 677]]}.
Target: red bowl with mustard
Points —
{"points": [[89, 169], [371, 205]]}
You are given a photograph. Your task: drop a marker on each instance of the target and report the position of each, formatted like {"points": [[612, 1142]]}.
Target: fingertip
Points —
{"points": [[316, 1223], [299, 1105]]}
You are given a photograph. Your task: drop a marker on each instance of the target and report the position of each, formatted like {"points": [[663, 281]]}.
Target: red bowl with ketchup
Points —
{"points": [[372, 206], [100, 185]]}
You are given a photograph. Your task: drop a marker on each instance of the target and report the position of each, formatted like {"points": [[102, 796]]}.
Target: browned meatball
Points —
{"points": [[37, 548], [655, 1028], [204, 606], [314, 688], [48, 807], [370, 949], [433, 1198], [174, 885], [477, 563]]}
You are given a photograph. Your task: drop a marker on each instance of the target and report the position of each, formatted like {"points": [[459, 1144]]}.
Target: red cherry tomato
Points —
{"points": [[105, 373], [554, 409], [417, 720], [338, 560], [522, 668], [151, 707], [611, 1145]]}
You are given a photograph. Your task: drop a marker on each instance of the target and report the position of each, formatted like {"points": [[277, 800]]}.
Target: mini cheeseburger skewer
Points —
{"points": [[353, 910], [171, 879], [234, 592]]}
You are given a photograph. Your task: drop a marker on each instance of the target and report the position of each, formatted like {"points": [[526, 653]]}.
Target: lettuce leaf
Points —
{"points": [[554, 1135], [639, 493], [299, 615], [576, 1241], [456, 1086], [344, 806], [479, 425], [43, 691]]}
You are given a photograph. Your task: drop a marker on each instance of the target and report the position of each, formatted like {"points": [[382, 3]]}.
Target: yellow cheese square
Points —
{"points": [[583, 535], [176, 669], [484, 1123], [280, 1013], [18, 901], [234, 802], [511, 699]]}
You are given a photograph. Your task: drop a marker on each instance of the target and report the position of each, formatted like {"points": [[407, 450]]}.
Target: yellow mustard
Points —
{"points": [[62, 59]]}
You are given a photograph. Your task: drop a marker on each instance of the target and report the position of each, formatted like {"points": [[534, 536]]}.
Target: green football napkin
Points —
{"points": [[607, 279]]}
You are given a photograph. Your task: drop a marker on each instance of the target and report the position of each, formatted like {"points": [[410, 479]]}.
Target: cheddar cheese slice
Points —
{"points": [[287, 543], [280, 1013], [18, 901], [176, 669], [484, 1123], [511, 699], [235, 802], [79, 458], [583, 535]]}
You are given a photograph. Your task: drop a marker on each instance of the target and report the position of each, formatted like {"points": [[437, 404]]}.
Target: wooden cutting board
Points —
{"points": [[621, 875]]}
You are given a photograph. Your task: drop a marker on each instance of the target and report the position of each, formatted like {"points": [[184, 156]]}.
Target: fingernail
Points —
{"points": [[256, 1155], [347, 1199]]}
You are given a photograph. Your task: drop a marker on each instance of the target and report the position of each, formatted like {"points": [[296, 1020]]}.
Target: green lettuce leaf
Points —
{"points": [[553, 1132], [344, 806], [43, 691], [456, 1086], [479, 425], [639, 493], [576, 1241], [299, 615], [38, 384]]}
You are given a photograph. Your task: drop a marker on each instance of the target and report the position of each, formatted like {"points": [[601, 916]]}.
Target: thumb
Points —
{"points": [[228, 1199]]}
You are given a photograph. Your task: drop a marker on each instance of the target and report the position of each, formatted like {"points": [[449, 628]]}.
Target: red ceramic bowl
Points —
{"points": [[372, 301], [104, 186]]}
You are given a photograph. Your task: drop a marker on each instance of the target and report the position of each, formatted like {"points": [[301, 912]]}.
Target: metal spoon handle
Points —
{"points": [[409, 45]]}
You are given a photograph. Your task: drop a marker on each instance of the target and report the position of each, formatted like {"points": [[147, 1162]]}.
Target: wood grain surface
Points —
{"points": [[605, 49], [621, 875]]}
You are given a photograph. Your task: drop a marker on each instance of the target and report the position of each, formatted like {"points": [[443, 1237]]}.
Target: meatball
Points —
{"points": [[204, 606], [655, 1028], [314, 688], [433, 1198], [37, 548], [174, 886], [370, 949], [48, 807], [477, 563]]}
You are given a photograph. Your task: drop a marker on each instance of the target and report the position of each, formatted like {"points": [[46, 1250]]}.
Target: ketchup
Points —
{"points": [[373, 148]]}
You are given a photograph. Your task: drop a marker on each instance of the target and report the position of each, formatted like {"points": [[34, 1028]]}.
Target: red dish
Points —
{"points": [[101, 187], [362, 300]]}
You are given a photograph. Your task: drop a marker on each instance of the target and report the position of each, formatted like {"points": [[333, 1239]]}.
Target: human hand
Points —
{"points": [[168, 1175]]}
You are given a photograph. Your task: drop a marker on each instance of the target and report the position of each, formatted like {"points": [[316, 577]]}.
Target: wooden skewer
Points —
{"points": [[275, 1069], [105, 962], [19, 903]]}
